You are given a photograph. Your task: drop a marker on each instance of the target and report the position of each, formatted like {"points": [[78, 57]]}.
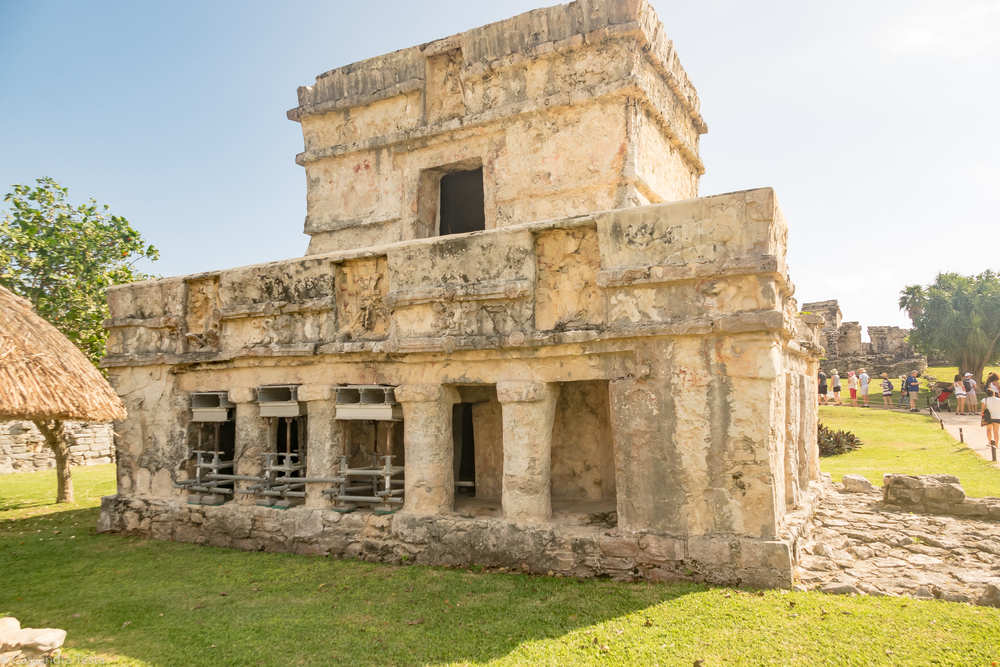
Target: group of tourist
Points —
{"points": [[965, 394], [858, 383], [964, 387]]}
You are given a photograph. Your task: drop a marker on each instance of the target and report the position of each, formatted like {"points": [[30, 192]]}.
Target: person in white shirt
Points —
{"points": [[992, 424], [971, 401], [863, 381], [960, 395]]}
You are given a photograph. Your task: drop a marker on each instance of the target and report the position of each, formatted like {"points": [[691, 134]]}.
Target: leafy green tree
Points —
{"points": [[957, 317], [63, 257]]}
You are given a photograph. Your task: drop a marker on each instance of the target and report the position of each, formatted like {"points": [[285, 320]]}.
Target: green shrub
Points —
{"points": [[833, 442]]}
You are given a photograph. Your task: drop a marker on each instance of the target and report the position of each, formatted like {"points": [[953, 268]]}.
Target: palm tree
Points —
{"points": [[912, 300]]}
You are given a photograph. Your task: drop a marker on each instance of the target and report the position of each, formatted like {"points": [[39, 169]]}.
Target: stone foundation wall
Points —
{"points": [[22, 447], [455, 541], [937, 494]]}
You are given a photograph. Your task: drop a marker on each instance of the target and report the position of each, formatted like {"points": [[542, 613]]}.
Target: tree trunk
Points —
{"points": [[55, 439]]}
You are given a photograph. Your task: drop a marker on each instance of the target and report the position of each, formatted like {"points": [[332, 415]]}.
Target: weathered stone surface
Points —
{"points": [[39, 641], [452, 540], [604, 76], [857, 484], [938, 494], [19, 644], [857, 542], [629, 355], [9, 627], [990, 597], [528, 410], [430, 478]]}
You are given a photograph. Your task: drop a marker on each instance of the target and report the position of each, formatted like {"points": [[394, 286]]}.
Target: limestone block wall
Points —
{"points": [[654, 353], [456, 541], [22, 447], [529, 100]]}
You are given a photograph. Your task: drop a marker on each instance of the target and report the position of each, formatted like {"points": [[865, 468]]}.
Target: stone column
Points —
{"points": [[325, 440], [251, 441], [429, 447], [528, 410]]}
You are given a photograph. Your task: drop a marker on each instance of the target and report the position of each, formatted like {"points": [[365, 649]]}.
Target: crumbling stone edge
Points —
{"points": [[936, 494], [456, 541]]}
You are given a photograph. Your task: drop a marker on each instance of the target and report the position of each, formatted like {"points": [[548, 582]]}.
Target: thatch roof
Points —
{"points": [[43, 375]]}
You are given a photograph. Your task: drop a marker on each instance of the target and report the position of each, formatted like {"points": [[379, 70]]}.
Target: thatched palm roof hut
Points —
{"points": [[43, 376]]}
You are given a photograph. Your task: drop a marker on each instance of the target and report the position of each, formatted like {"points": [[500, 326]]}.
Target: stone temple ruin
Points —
{"points": [[888, 351], [518, 337]]}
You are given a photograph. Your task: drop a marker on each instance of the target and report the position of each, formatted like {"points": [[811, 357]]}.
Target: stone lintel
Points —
{"points": [[315, 392], [518, 391], [242, 395], [426, 393]]}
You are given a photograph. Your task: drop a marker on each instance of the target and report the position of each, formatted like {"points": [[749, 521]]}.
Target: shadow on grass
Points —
{"points": [[172, 603], [6, 506]]}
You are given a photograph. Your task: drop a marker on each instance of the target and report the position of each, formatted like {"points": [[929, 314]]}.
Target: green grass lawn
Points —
{"points": [[137, 601], [905, 443]]}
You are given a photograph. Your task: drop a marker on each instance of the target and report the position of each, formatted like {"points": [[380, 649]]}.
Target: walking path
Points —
{"points": [[972, 433], [857, 545]]}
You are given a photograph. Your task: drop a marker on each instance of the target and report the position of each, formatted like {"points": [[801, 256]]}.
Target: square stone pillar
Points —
{"points": [[251, 442], [528, 410], [429, 447], [325, 440]]}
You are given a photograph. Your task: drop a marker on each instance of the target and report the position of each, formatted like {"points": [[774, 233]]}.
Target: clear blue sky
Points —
{"points": [[876, 122]]}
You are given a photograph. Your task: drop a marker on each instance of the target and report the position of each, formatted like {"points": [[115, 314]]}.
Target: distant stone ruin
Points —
{"points": [[888, 351], [23, 449]]}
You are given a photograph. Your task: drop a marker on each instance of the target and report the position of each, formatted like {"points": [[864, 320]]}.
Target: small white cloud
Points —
{"points": [[955, 29]]}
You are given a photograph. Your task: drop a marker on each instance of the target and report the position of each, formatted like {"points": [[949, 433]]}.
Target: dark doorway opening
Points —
{"points": [[465, 449], [227, 440], [462, 202]]}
